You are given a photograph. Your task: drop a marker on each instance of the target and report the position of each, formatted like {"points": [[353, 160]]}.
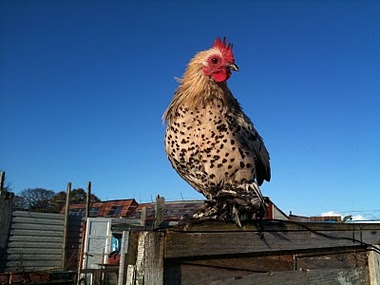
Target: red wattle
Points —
{"points": [[221, 76]]}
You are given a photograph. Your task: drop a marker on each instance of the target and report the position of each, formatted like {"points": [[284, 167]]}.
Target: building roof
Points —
{"points": [[173, 211], [112, 208]]}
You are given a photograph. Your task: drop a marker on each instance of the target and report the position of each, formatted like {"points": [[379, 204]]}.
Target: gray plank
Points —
{"points": [[40, 227], [190, 244], [277, 225], [37, 215], [31, 220], [37, 239], [34, 264], [36, 233], [39, 250], [33, 244], [47, 258]]}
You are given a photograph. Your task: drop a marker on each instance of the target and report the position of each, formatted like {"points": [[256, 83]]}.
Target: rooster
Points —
{"points": [[212, 144]]}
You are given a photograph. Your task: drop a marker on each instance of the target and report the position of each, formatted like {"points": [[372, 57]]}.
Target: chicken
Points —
{"points": [[212, 144]]}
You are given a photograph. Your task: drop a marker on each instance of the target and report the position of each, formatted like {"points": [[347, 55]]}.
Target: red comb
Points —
{"points": [[224, 48]]}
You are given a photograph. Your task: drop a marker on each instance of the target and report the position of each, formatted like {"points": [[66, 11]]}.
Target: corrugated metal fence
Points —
{"points": [[35, 242]]}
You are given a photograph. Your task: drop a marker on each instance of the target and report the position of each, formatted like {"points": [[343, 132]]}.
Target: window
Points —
{"points": [[115, 210], [93, 212], [77, 212]]}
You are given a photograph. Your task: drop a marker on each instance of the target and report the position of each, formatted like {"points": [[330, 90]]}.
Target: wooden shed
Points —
{"points": [[265, 252]]}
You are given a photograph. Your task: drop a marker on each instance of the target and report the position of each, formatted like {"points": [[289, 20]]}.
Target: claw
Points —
{"points": [[236, 215]]}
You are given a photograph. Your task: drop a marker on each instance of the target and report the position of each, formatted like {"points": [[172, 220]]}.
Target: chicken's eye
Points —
{"points": [[214, 60]]}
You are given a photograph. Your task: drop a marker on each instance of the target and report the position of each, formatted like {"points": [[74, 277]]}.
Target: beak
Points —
{"points": [[233, 66]]}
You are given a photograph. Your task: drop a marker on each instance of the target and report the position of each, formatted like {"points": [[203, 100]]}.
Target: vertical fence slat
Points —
{"points": [[66, 225], [6, 199]]}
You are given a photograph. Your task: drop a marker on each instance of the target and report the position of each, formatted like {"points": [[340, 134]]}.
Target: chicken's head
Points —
{"points": [[219, 61]]}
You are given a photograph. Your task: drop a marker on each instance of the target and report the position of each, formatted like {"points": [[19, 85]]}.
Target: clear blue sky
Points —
{"points": [[83, 85]]}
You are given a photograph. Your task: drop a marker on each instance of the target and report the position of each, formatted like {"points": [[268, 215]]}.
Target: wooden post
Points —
{"points": [[159, 211], [147, 258], [2, 179], [143, 217], [6, 201], [66, 225], [123, 252], [374, 265], [88, 200]]}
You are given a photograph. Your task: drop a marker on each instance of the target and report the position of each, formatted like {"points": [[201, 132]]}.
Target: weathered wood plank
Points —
{"points": [[207, 269], [190, 244], [276, 225], [205, 275], [357, 276], [253, 264], [317, 260]]}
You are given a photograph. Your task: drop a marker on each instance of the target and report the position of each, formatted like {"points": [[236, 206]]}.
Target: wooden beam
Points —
{"points": [[214, 242], [274, 226], [322, 276]]}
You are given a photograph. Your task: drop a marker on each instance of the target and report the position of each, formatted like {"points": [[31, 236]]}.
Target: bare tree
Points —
{"points": [[76, 196], [43, 200], [37, 199]]}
